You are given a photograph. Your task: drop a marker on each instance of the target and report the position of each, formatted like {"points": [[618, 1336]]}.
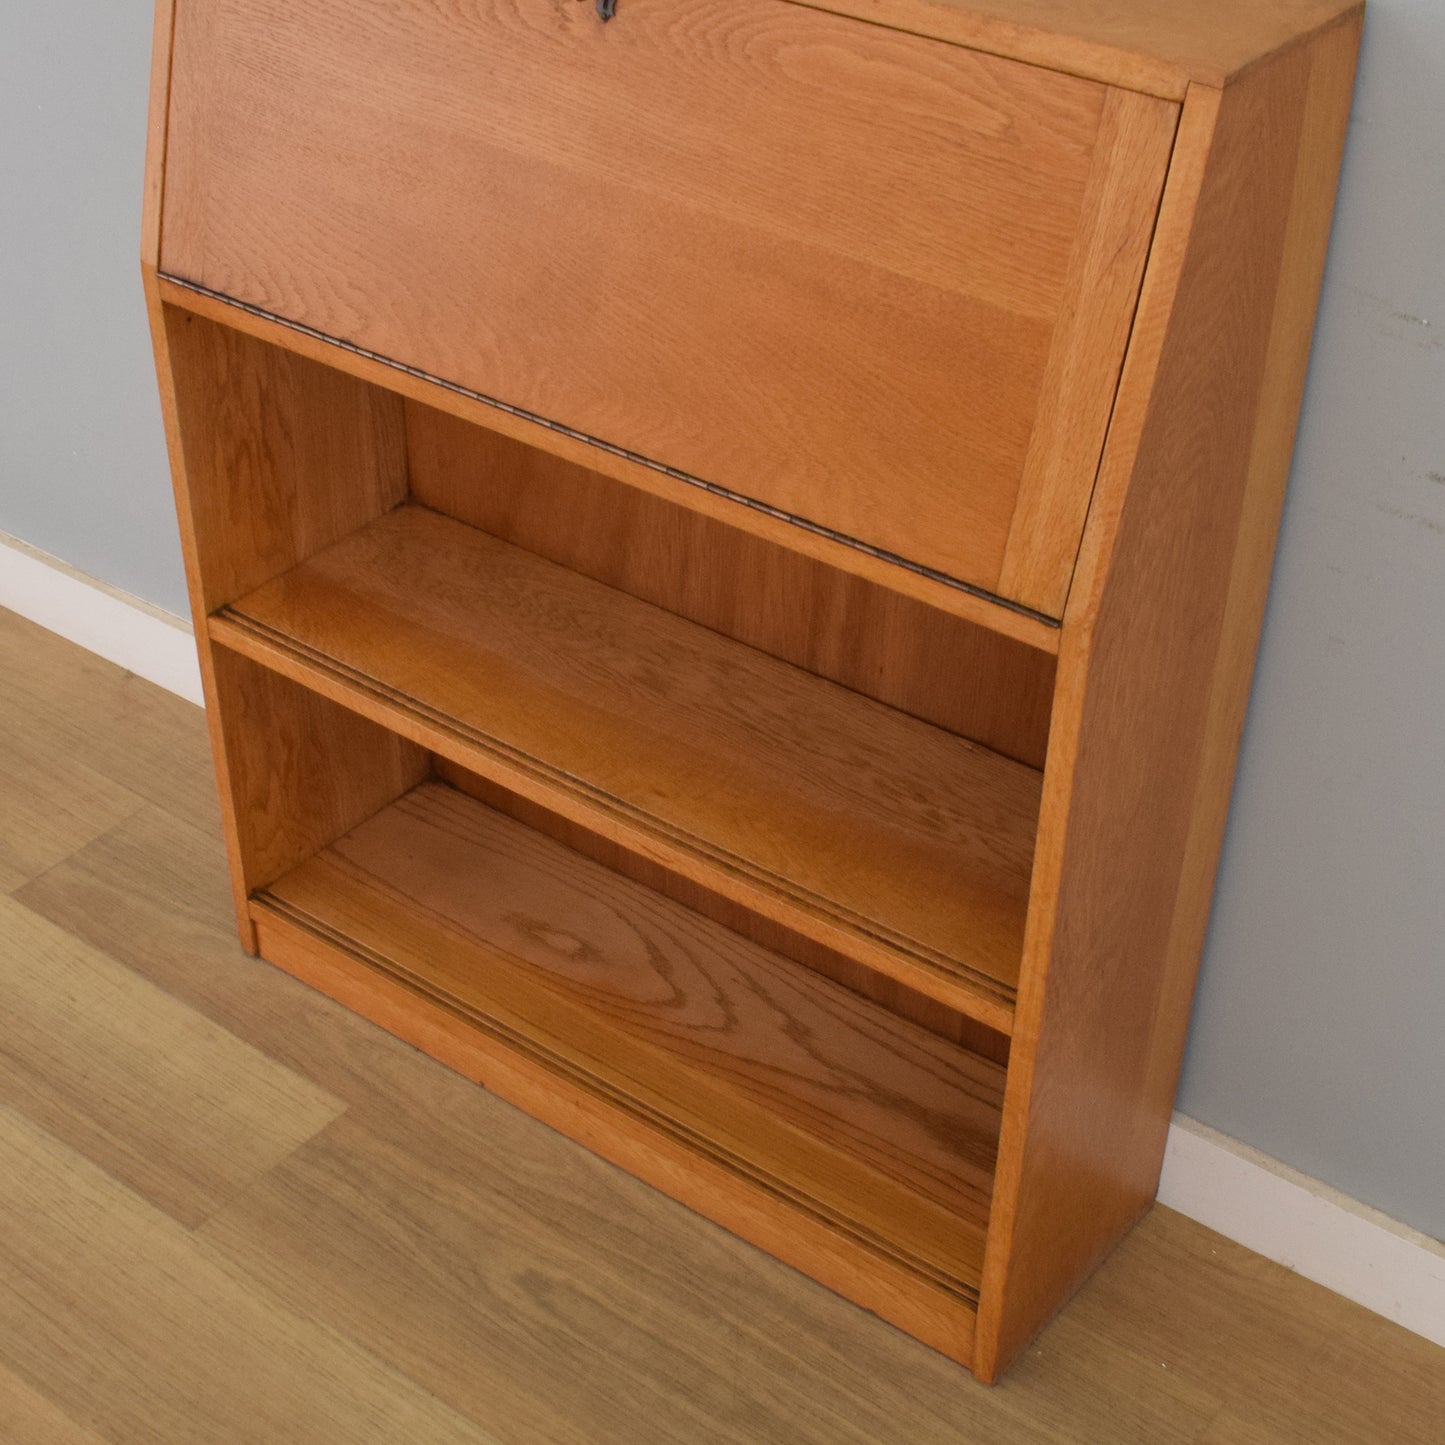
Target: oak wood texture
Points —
{"points": [[84, 746], [255, 496], [279, 455], [1006, 619], [938, 666], [930, 1308], [1151, 692], [816, 324], [215, 1113], [435, 1240], [26, 1414], [283, 456], [1146, 45], [853, 823], [803, 1095], [157, 130], [896, 997], [1322, 137], [1084, 360], [138, 1293], [54, 801], [883, 279], [303, 771]]}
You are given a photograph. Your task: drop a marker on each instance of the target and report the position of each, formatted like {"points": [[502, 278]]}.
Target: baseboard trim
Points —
{"points": [[143, 639], [1306, 1225], [1229, 1187]]}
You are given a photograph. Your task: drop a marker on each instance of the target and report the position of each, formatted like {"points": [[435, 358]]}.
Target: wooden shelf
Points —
{"points": [[818, 1101], [900, 844]]}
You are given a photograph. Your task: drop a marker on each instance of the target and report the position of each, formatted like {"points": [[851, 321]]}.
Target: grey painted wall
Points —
{"points": [[1320, 1030], [83, 470]]}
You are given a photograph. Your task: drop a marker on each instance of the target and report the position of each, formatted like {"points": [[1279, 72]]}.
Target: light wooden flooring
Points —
{"points": [[230, 1211]]}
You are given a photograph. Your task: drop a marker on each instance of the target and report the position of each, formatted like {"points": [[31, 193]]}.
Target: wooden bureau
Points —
{"points": [[727, 545]]}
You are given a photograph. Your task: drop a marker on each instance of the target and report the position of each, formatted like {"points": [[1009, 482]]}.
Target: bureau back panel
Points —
{"points": [[921, 660], [876, 282]]}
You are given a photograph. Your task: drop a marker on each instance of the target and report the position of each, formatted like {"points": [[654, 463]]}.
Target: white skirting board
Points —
{"points": [[1226, 1185], [153, 644], [1300, 1222]]}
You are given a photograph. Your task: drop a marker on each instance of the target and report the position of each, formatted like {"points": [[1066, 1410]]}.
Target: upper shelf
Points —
{"points": [[901, 844]]}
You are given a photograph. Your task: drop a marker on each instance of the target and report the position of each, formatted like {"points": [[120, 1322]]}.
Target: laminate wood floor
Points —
{"points": [[230, 1211]]}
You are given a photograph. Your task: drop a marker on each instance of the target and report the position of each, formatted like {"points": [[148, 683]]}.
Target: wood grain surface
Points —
{"points": [[835, 804], [282, 455], [1140, 44], [968, 604], [152, 208], [65, 776], [1120, 210], [818, 1094], [1333, 58], [302, 771], [1142, 754], [140, 1296], [824, 266], [897, 997], [272, 455], [870, 292], [26, 1414], [928, 1306], [79, 1029], [434, 1253], [55, 803], [963, 676]]}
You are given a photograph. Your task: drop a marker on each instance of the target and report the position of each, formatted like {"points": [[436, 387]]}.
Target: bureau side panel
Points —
{"points": [[1154, 670], [272, 456], [281, 455], [153, 197]]}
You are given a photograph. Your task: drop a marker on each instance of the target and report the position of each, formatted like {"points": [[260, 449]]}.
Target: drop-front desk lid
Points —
{"points": [[861, 277]]}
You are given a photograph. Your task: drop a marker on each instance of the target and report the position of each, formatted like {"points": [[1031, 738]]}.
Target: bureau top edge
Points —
{"points": [[1157, 47]]}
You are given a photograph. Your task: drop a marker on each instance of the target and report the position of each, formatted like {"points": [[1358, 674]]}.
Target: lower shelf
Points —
{"points": [[801, 1116]]}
